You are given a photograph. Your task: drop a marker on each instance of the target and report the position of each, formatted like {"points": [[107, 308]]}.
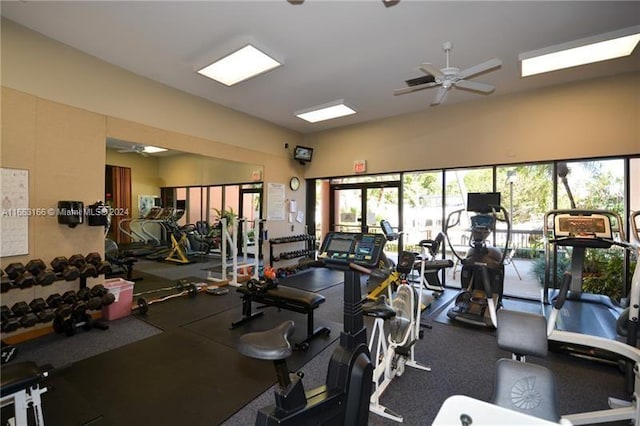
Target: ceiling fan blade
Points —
{"points": [[431, 69], [420, 80], [414, 88], [480, 68], [440, 96], [475, 86]]}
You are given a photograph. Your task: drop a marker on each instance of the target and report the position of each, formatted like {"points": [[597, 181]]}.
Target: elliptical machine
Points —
{"points": [[482, 275], [344, 399]]}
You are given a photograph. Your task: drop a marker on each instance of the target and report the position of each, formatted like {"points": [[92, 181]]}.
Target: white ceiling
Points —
{"points": [[359, 51]]}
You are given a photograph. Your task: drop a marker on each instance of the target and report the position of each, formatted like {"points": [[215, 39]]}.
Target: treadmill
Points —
{"points": [[578, 230]]}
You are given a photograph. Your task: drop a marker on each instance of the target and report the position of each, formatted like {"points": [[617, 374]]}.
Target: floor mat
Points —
{"points": [[173, 378], [314, 279], [183, 310], [217, 328], [514, 304]]}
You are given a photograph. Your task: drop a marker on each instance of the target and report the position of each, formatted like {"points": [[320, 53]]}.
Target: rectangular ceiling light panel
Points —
{"points": [[239, 66], [580, 52], [325, 112]]}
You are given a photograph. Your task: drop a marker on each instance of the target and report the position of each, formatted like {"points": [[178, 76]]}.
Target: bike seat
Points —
{"points": [[378, 308], [271, 344]]}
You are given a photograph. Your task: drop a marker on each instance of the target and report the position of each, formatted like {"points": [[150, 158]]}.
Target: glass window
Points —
{"points": [[181, 198], [232, 198], [195, 206], [458, 184], [215, 203], [527, 194], [422, 207]]}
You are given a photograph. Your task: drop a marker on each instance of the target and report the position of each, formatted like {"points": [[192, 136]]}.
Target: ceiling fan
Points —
{"points": [[449, 77], [138, 149]]}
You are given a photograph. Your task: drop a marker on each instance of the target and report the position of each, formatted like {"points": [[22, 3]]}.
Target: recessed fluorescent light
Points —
{"points": [[580, 52], [153, 149], [325, 112], [239, 66]]}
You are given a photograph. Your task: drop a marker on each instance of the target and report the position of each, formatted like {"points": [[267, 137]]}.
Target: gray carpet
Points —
{"points": [[462, 362], [61, 351]]}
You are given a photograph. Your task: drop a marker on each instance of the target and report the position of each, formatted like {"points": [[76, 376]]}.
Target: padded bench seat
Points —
{"points": [[287, 298], [21, 387]]}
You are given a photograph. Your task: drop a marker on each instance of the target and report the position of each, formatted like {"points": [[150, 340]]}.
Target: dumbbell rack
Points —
{"points": [[308, 251], [66, 315]]}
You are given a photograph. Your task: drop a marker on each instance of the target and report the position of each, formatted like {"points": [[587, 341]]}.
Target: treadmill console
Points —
{"points": [[592, 226], [592, 230], [342, 248]]}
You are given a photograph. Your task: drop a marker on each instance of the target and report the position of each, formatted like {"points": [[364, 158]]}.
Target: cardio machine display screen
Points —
{"points": [[345, 247], [339, 245], [595, 226], [483, 202]]}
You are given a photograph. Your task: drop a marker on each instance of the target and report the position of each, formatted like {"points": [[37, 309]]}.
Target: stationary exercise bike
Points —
{"points": [[344, 399], [395, 349], [482, 275]]}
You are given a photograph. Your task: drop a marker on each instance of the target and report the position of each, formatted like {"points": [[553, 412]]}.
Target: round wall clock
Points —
{"points": [[294, 183]]}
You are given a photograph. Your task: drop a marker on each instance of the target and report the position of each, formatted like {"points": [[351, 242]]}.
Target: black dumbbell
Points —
{"points": [[84, 294], [5, 312], [45, 315], [108, 298], [9, 322], [99, 290], [20, 309], [38, 304], [69, 297], [54, 300], [43, 312], [19, 275], [14, 269], [103, 293], [94, 303], [102, 266], [86, 269], [26, 317], [61, 266], [38, 269]]}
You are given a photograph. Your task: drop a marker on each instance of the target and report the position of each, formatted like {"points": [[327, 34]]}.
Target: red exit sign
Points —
{"points": [[360, 166]]}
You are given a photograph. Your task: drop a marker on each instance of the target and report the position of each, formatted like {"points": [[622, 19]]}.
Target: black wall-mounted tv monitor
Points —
{"points": [[302, 154], [483, 202]]}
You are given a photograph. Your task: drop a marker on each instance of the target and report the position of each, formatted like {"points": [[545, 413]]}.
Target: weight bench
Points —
{"points": [[21, 387], [290, 299]]}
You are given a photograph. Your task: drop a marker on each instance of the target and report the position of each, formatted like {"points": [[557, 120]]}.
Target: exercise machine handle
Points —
{"points": [[563, 292]]}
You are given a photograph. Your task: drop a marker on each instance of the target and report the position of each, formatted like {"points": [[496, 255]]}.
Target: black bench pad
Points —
{"points": [[19, 376], [287, 298]]}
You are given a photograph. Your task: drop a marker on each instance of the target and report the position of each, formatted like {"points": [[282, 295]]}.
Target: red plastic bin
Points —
{"points": [[123, 292]]}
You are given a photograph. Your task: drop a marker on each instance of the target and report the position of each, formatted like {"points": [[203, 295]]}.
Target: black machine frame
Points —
{"points": [[344, 398]]}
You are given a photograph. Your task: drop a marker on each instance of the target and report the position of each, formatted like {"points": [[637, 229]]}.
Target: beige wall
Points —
{"points": [[583, 119], [101, 100], [194, 170], [77, 79], [48, 139]]}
